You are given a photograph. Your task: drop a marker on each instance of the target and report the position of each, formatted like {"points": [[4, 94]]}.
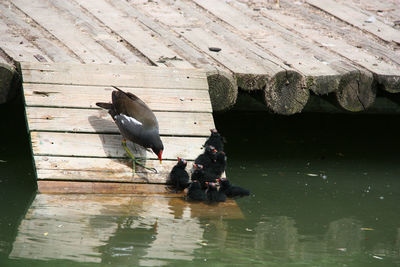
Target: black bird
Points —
{"points": [[135, 121], [195, 193], [207, 157], [202, 176], [213, 195], [218, 166], [215, 140], [232, 190], [178, 177]]}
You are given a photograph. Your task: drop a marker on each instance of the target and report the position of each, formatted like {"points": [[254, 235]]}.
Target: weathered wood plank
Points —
{"points": [[17, 47], [374, 58], [128, 29], [323, 71], [222, 85], [79, 42], [109, 145], [101, 170], [99, 33], [92, 187], [118, 75], [23, 27], [158, 99], [251, 69], [99, 121], [280, 79], [358, 19]]}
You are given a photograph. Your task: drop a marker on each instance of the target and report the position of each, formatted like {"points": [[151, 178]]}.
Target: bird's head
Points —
{"points": [[182, 162], [158, 150], [198, 166], [223, 181]]}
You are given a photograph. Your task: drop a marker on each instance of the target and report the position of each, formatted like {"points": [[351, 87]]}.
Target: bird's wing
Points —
{"points": [[129, 104]]}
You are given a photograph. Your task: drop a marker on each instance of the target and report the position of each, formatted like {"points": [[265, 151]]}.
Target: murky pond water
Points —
{"points": [[325, 192]]}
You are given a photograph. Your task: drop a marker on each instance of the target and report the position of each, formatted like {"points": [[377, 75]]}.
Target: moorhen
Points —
{"points": [[136, 122], [232, 190], [202, 176], [207, 157], [214, 195], [217, 168], [195, 193], [178, 177], [215, 140]]}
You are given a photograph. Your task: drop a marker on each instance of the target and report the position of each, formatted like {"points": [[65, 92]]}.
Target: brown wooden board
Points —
{"points": [[99, 121], [109, 145], [101, 169], [76, 96], [358, 18], [81, 43], [143, 40], [117, 75], [382, 61]]}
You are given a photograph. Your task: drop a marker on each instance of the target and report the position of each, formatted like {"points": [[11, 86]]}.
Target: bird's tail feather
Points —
{"points": [[128, 94], [104, 105]]}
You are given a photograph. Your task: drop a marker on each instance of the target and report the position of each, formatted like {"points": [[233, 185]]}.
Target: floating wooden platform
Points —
{"points": [[349, 50], [75, 143]]}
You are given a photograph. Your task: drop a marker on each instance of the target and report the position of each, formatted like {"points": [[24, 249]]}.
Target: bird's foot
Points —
{"points": [[136, 161]]}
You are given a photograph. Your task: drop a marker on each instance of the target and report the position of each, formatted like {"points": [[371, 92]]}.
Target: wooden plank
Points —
{"points": [[17, 47], [126, 27], [284, 88], [358, 19], [99, 121], [73, 227], [121, 75], [101, 170], [25, 28], [222, 85], [251, 69], [158, 99], [304, 22], [316, 64], [79, 187], [102, 35], [109, 145], [44, 13]]}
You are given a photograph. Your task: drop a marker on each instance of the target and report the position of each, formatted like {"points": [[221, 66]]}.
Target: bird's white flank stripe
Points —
{"points": [[129, 120]]}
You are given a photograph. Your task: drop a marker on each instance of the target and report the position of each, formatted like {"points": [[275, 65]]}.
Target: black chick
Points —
{"points": [[207, 157], [178, 177], [217, 168], [195, 193], [202, 176], [232, 190], [213, 195], [215, 140]]}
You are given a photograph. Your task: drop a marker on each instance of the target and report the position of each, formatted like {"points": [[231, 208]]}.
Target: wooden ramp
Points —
{"points": [[77, 147]]}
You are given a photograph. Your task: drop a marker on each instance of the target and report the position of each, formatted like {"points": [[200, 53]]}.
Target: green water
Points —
{"points": [[325, 192]]}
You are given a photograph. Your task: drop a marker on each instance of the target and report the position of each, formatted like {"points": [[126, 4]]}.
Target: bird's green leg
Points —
{"points": [[130, 155], [135, 161]]}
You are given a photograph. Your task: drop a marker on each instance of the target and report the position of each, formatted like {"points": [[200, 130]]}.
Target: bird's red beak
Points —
{"points": [[160, 156]]}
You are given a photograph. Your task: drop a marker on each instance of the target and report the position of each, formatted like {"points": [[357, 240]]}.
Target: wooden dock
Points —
{"points": [[347, 50], [77, 147]]}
